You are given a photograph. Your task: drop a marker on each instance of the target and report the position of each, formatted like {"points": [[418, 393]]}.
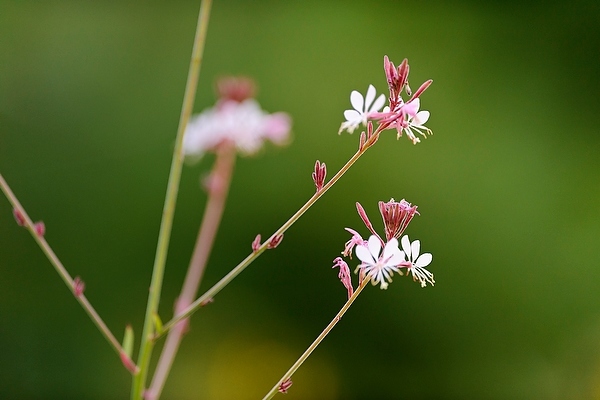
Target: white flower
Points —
{"points": [[379, 268], [417, 262], [415, 120], [362, 109], [244, 124]]}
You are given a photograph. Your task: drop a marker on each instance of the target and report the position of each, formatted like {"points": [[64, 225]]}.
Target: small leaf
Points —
{"points": [[158, 325], [128, 341]]}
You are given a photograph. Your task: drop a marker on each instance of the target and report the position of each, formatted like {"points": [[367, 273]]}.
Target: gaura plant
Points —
{"points": [[237, 125]]}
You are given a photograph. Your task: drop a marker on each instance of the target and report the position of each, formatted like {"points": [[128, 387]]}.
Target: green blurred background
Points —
{"points": [[507, 187]]}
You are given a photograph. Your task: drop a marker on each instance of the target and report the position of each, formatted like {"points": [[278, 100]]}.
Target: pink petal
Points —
{"points": [[412, 107]]}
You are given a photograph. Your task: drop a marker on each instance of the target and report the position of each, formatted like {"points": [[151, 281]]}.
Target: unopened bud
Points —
{"points": [[78, 287], [285, 385], [319, 175], [237, 89], [275, 241], [256, 243], [19, 217], [40, 228]]}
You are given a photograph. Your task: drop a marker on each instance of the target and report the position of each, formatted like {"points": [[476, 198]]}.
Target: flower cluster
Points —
{"points": [[236, 119], [380, 259], [404, 116]]}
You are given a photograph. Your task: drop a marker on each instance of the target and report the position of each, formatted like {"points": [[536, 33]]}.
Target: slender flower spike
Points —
{"points": [[416, 263], [380, 266], [344, 275], [363, 107], [396, 217]]}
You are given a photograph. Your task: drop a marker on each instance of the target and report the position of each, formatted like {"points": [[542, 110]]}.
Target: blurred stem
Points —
{"points": [[210, 293], [318, 340], [164, 235], [218, 187], [62, 272]]}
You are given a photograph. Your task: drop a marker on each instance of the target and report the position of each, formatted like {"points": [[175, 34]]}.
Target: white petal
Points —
{"points": [[392, 253], [374, 246], [415, 248], [370, 96], [352, 116], [357, 101], [424, 260], [406, 246], [420, 118], [378, 103], [364, 255]]}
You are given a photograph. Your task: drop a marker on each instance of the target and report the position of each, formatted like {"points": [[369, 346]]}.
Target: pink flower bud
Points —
{"points": [[363, 215], [78, 287], [319, 175], [237, 89], [40, 228], [422, 88], [285, 385], [256, 243], [19, 217], [275, 241]]}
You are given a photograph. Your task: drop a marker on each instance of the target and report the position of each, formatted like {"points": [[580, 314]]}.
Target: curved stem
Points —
{"points": [[210, 293], [318, 340], [218, 188], [164, 235], [62, 272]]}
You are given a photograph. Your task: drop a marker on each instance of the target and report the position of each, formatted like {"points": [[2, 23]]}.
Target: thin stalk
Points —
{"points": [[318, 340], [218, 188], [62, 272], [210, 293], [164, 235]]}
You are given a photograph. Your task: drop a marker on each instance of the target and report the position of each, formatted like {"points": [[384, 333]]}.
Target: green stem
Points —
{"points": [[318, 340], [250, 258], [217, 195], [62, 272], [164, 235]]}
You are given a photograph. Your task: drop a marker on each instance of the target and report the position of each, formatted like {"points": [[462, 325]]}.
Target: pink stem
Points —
{"points": [[218, 188]]}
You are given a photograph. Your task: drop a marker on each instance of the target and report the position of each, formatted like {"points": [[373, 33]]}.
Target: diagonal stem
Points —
{"points": [[317, 341], [62, 272], [164, 235], [209, 294]]}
